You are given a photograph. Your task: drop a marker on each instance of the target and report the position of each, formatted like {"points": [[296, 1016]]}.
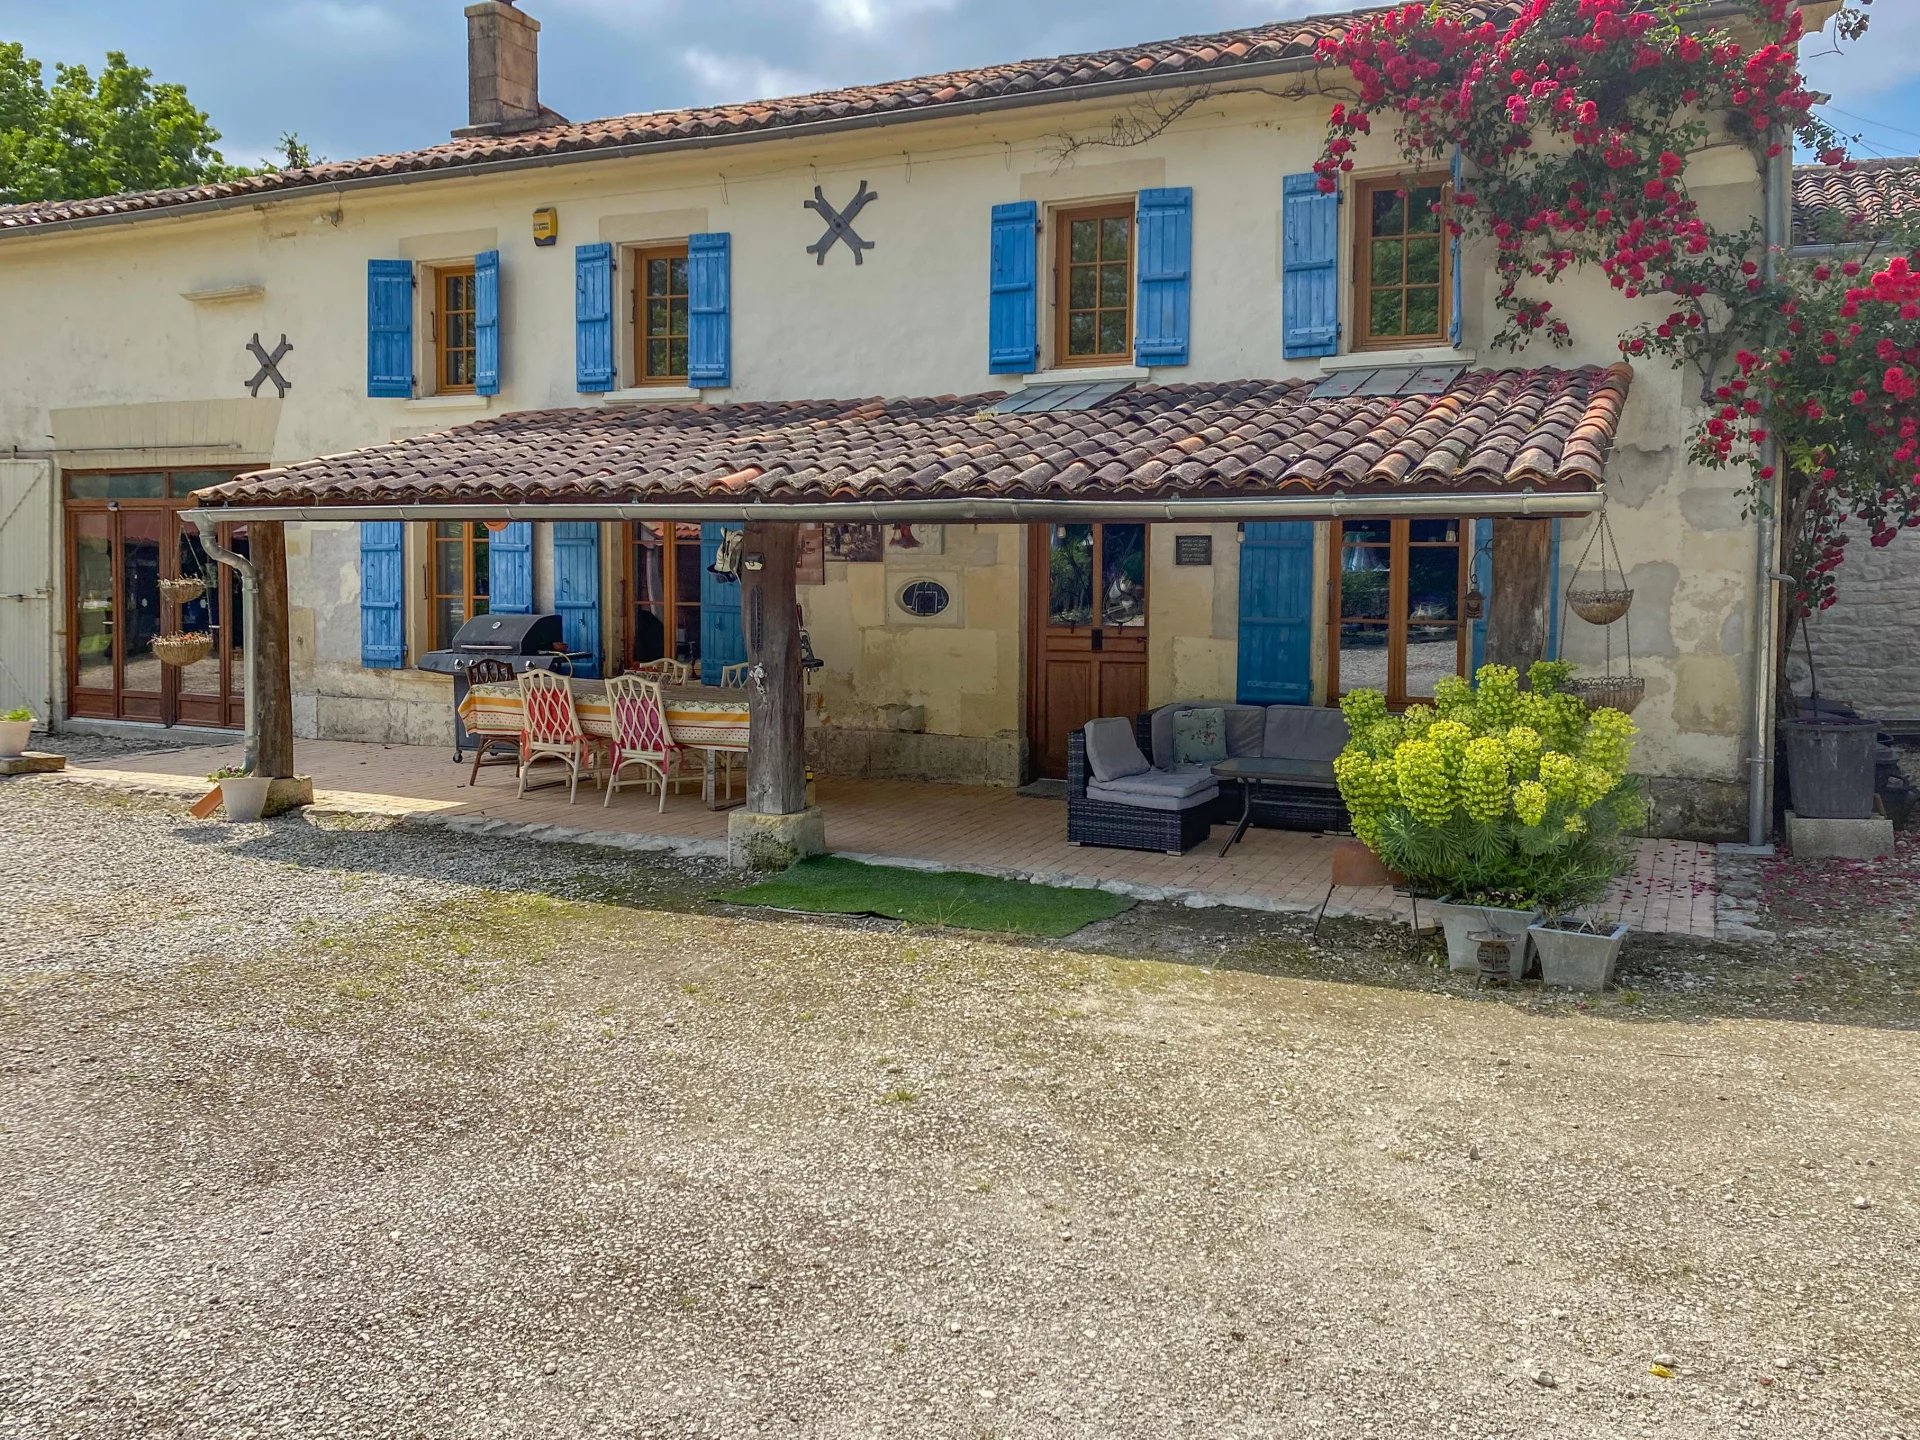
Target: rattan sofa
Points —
{"points": [[1294, 732], [1119, 825]]}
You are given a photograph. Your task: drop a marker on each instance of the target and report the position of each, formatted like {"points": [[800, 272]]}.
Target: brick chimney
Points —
{"points": [[503, 71]]}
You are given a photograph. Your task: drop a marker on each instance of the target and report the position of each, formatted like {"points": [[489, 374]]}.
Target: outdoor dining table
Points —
{"points": [[707, 718]]}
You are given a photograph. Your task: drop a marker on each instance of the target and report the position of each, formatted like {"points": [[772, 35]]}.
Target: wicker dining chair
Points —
{"points": [[640, 735], [550, 728], [734, 677], [494, 748]]}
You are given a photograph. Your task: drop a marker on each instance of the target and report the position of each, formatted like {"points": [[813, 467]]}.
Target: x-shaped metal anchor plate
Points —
{"points": [[269, 365], [840, 224]]}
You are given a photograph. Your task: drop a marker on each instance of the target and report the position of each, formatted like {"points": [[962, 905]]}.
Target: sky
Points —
{"points": [[361, 77]]}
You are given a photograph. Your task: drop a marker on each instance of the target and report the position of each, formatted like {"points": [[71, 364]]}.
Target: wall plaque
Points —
{"points": [[1193, 549]]}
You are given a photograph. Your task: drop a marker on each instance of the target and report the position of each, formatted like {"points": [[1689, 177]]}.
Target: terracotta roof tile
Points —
{"points": [[1835, 203], [917, 98], [1545, 429]]}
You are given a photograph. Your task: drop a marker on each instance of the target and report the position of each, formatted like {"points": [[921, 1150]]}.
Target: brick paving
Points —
{"points": [[1672, 888]]}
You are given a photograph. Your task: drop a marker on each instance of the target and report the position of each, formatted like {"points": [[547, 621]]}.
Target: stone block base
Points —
{"points": [[1867, 839], [32, 762], [773, 842], [853, 754], [288, 794]]}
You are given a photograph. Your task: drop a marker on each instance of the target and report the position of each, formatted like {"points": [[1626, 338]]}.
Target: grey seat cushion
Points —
{"points": [[1157, 790], [1304, 732], [1245, 727], [1112, 752]]}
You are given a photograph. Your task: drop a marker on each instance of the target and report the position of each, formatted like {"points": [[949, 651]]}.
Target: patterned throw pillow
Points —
{"points": [[1200, 737]]}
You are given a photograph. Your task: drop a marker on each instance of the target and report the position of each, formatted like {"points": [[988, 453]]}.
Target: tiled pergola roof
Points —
{"points": [[1547, 430]]}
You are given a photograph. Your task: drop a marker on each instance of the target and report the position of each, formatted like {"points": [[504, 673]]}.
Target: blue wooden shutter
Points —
{"points": [[722, 641], [1310, 267], [1013, 314], [1164, 221], [593, 317], [710, 311], [383, 589], [1276, 612], [1482, 580], [486, 322], [1456, 332], [576, 589], [390, 329], [510, 569]]}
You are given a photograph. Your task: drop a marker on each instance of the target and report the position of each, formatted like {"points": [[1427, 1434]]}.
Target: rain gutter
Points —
{"points": [[1776, 197], [959, 510], [207, 522]]}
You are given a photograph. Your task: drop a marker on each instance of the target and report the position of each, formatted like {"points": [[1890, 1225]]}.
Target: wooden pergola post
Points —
{"points": [[268, 651], [776, 828], [1519, 612]]}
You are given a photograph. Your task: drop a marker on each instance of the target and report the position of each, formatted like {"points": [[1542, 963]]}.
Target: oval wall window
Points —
{"points": [[924, 598]]}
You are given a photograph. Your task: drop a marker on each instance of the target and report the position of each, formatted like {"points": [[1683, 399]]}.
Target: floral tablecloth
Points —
{"points": [[700, 717]]}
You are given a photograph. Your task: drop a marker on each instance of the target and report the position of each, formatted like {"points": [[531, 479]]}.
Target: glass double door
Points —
{"points": [[119, 552]]}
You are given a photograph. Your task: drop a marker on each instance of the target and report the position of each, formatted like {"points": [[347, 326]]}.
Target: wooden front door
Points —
{"points": [[1087, 647]]}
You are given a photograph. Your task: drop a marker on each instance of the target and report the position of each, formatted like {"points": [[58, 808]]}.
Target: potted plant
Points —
{"points": [[16, 728], [244, 795], [1508, 804]]}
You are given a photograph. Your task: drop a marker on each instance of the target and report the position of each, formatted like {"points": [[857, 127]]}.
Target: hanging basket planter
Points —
{"points": [[184, 649], [1600, 607], [183, 591], [1610, 692]]}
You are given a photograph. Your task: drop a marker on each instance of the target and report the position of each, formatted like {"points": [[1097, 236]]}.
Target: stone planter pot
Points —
{"points": [[245, 797], [1457, 922], [14, 735], [1577, 959]]}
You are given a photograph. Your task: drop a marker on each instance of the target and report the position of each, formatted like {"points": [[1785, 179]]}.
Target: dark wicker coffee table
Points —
{"points": [[1253, 772]]}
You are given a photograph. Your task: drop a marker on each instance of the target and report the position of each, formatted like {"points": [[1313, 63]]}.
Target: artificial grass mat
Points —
{"points": [[830, 885]]}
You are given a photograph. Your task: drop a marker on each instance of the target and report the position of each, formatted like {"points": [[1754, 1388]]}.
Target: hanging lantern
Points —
{"points": [[1476, 603]]}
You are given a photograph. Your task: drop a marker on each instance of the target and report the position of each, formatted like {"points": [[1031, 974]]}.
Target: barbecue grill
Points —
{"points": [[524, 642]]}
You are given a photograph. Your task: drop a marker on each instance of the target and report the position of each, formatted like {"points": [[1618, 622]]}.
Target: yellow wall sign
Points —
{"points": [[546, 225]]}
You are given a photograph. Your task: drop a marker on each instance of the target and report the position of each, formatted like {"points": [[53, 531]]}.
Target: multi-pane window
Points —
{"points": [[665, 576], [1399, 590], [457, 577], [1093, 285], [1404, 291], [455, 343], [660, 315]]}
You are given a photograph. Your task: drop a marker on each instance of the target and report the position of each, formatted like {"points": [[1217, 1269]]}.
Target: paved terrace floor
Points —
{"points": [[955, 827]]}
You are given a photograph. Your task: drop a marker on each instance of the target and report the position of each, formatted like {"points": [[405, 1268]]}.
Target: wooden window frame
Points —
{"points": [[475, 531], [437, 327], [1062, 222], [1363, 193], [1399, 546], [671, 604], [638, 256]]}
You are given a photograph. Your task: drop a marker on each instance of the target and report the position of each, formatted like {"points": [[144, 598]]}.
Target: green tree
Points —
{"points": [[89, 135]]}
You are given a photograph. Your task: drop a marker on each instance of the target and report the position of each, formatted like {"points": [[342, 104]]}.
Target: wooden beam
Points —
{"points": [[770, 616], [1522, 602], [268, 652]]}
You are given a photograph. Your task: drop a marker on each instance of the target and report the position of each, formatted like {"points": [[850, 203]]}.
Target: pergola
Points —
{"points": [[1521, 446]]}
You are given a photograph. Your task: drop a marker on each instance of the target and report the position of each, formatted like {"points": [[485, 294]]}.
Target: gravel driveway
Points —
{"points": [[334, 1132]]}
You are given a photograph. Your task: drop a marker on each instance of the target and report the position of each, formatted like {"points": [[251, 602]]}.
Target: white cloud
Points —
{"points": [[871, 16], [360, 21], [721, 77]]}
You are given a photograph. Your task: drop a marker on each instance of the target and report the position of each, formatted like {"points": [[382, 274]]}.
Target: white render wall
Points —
{"points": [[96, 324]]}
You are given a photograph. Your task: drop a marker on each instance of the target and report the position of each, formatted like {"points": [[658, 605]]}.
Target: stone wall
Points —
{"points": [[1865, 646]]}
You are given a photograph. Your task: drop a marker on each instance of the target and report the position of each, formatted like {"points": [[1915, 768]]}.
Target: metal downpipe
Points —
{"points": [[1776, 191], [208, 525]]}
